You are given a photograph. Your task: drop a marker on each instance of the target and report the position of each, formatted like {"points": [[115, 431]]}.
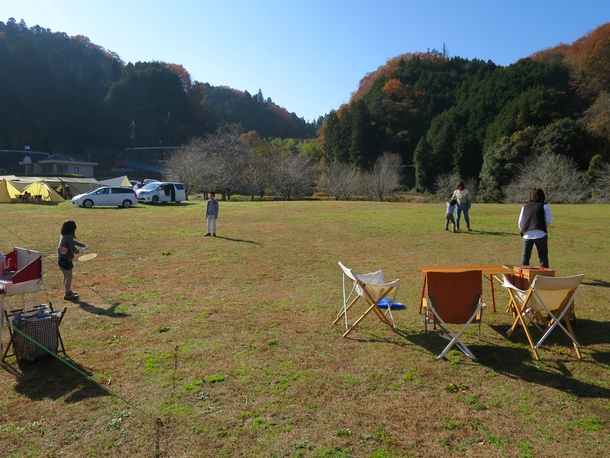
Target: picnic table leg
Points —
{"points": [[423, 291], [493, 296]]}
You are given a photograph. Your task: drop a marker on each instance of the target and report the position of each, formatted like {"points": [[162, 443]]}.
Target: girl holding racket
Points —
{"points": [[65, 254]]}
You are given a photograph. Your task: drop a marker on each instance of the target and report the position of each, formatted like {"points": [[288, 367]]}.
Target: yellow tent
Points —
{"points": [[8, 191], [46, 193]]}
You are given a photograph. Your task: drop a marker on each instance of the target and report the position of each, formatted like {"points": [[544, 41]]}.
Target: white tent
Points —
{"points": [[119, 181]]}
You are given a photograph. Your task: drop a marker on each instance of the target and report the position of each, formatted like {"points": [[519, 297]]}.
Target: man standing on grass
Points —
{"points": [[211, 214]]}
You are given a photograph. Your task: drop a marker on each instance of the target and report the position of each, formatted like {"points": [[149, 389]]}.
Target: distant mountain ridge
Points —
{"points": [[478, 120], [66, 94]]}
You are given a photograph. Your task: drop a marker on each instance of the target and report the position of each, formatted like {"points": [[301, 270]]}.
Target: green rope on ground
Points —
{"points": [[113, 393]]}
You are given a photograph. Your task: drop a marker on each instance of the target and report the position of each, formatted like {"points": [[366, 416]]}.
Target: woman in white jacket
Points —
{"points": [[462, 195]]}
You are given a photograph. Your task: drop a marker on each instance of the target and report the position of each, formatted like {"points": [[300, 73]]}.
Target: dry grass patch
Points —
{"points": [[224, 346]]}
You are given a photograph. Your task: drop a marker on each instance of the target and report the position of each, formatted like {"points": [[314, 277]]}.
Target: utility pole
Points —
{"points": [[169, 130], [133, 135]]}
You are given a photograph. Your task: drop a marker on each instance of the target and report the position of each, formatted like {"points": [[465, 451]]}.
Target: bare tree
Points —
{"points": [[602, 185], [472, 184], [289, 175], [225, 159], [254, 175], [557, 175], [341, 181], [185, 165], [384, 177], [445, 184]]}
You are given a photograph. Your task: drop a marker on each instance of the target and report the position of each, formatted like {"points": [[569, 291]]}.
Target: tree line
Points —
{"points": [[229, 162], [476, 120], [443, 116], [67, 95]]}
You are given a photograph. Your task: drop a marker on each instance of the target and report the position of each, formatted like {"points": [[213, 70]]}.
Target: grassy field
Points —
{"points": [[188, 346]]}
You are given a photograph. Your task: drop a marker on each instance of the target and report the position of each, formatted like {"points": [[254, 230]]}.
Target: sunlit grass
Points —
{"points": [[229, 342]]}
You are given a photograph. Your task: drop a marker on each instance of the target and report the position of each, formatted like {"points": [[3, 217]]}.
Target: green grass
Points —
{"points": [[225, 347]]}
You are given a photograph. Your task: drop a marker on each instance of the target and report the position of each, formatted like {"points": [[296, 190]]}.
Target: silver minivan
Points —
{"points": [[161, 191], [106, 195]]}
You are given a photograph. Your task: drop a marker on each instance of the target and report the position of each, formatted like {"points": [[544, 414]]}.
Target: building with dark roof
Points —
{"points": [[58, 164]]}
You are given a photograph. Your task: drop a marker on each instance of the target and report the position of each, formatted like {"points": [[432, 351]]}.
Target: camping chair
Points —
{"points": [[516, 295], [547, 302], [373, 289], [454, 298]]}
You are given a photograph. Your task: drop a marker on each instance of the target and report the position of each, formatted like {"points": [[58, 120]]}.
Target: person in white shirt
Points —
{"points": [[462, 195]]}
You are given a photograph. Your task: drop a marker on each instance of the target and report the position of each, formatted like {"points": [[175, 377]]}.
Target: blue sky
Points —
{"points": [[309, 56]]}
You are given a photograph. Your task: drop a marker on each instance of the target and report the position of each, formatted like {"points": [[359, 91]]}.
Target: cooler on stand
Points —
{"points": [[21, 279]]}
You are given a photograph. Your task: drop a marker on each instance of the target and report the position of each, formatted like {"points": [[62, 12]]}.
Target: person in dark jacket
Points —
{"points": [[66, 250], [211, 214], [534, 219]]}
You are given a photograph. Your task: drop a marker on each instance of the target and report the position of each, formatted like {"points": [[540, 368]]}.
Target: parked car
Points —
{"points": [[107, 195], [161, 191]]}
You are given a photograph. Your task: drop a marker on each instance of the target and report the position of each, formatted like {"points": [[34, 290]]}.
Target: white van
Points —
{"points": [[106, 195], [161, 191]]}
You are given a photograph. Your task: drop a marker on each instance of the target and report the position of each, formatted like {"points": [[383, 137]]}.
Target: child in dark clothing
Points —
{"points": [[449, 218], [65, 254]]}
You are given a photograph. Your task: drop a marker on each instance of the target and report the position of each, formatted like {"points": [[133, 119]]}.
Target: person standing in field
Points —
{"points": [[462, 196], [65, 254], [533, 221], [449, 218], [211, 214]]}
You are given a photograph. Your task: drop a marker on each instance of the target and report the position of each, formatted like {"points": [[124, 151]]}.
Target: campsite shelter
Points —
{"points": [[59, 184], [45, 191], [8, 192], [77, 185], [118, 181]]}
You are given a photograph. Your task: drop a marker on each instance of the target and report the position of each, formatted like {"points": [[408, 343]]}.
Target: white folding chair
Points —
{"points": [[373, 289], [548, 302]]}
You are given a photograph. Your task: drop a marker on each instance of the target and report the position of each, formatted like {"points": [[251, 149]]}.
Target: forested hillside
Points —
{"points": [[476, 119], [443, 114], [68, 95]]}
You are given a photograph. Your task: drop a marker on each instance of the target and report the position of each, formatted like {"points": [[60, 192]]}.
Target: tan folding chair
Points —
{"points": [[373, 289], [516, 295], [454, 298], [547, 302]]}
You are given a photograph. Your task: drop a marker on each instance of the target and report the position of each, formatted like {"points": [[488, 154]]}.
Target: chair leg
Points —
{"points": [[455, 340], [344, 310], [574, 343], [10, 332], [351, 328]]}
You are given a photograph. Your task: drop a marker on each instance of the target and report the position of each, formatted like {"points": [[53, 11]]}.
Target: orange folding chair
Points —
{"points": [[454, 298]]}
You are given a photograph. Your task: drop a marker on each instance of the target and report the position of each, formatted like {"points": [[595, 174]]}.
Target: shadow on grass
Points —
{"points": [[587, 332], [599, 283], [494, 233], [109, 312], [52, 378], [238, 240], [517, 362]]}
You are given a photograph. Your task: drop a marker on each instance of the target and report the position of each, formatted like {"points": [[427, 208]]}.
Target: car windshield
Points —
{"points": [[150, 186]]}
